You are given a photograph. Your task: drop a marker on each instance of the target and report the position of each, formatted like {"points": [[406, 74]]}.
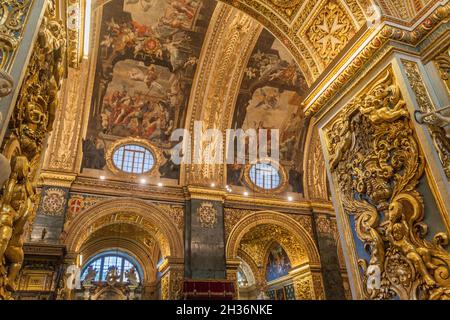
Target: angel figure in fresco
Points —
{"points": [[179, 14], [269, 99], [145, 4], [171, 47], [183, 7], [288, 74], [119, 37], [171, 20], [149, 77]]}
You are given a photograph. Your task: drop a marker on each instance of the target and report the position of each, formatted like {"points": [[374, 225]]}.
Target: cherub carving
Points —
{"points": [[399, 234]]}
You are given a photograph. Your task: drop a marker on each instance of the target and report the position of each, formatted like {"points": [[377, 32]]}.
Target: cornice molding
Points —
{"points": [[117, 188], [56, 179]]}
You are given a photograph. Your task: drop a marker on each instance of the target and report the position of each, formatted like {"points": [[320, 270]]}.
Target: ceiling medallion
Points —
{"points": [[207, 215]]}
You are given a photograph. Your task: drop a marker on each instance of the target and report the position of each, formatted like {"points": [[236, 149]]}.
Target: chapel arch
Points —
{"points": [[251, 240], [130, 211]]}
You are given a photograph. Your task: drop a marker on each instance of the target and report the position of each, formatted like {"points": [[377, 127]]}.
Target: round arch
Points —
{"points": [[133, 249], [130, 211], [244, 256], [275, 218]]}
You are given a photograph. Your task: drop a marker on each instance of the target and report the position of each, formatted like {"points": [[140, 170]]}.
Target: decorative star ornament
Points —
{"points": [[330, 30]]}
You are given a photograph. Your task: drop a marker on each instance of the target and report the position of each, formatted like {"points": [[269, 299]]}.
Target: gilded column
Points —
{"points": [[30, 123], [303, 284], [172, 279], [19, 25]]}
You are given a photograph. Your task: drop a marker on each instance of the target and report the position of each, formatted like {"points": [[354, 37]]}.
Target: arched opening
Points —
{"points": [[124, 230], [276, 255]]}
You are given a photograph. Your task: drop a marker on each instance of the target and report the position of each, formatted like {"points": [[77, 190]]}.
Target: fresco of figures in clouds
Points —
{"points": [[270, 98], [147, 56]]}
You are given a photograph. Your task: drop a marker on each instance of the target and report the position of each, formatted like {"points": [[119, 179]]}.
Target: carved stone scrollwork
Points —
{"points": [[31, 120], [376, 165]]}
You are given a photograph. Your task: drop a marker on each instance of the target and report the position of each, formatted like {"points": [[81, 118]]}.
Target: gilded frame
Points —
{"points": [[135, 141], [281, 171]]}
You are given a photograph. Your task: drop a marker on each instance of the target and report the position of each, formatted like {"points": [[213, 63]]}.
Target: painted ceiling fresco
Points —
{"points": [[270, 98], [147, 56]]}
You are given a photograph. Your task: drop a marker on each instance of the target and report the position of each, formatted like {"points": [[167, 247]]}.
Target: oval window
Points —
{"points": [[132, 158], [265, 176]]}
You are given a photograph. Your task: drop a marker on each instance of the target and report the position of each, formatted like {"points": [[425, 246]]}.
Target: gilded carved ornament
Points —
{"points": [[232, 216], [31, 121], [435, 120], [286, 7], [73, 32], [176, 213], [304, 289], [281, 172], [330, 31], [257, 241], [232, 38], [6, 86], [176, 284], [165, 287], [54, 202], [207, 215], [379, 44], [442, 62], [156, 153], [63, 144], [376, 165], [13, 17], [315, 172]]}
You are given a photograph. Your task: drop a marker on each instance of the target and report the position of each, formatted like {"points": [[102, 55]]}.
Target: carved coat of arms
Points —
{"points": [[207, 215], [53, 202]]}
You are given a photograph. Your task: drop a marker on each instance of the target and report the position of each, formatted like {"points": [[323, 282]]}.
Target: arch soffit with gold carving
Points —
{"points": [[275, 218], [131, 211]]}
